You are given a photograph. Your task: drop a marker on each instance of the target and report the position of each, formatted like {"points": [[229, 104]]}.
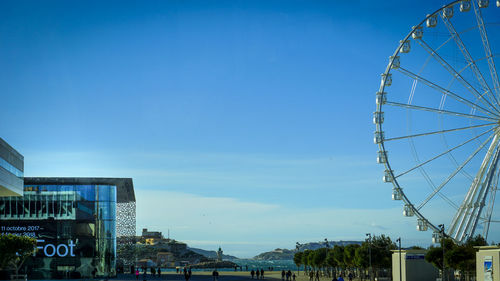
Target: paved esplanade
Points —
{"points": [[200, 276]]}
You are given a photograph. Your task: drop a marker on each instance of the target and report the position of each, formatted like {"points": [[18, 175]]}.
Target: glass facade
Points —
{"points": [[9, 167], [11, 170], [75, 228]]}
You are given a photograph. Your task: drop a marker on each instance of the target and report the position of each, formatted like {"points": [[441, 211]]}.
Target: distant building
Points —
{"points": [[153, 241], [176, 246], [11, 171], [165, 259], [146, 263], [151, 234]]}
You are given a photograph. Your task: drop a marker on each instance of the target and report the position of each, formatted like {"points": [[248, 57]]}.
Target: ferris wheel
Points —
{"points": [[438, 121]]}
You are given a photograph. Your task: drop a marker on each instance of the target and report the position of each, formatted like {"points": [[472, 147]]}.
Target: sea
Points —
{"points": [[266, 264], [276, 265]]}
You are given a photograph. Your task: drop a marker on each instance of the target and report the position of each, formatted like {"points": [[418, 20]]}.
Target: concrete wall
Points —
{"points": [[413, 266], [488, 251]]}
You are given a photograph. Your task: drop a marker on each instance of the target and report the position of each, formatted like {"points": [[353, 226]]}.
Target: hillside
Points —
{"points": [[127, 254], [277, 254], [211, 254], [331, 244], [285, 254]]}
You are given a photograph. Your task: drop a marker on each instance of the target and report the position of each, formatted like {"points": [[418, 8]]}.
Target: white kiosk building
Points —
{"points": [[488, 263], [413, 266]]}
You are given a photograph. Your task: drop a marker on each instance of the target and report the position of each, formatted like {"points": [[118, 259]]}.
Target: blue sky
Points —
{"points": [[245, 124]]}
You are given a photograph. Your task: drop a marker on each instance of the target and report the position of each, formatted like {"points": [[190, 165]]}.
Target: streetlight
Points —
{"points": [[297, 247], [441, 226], [400, 273], [327, 247], [370, 253]]}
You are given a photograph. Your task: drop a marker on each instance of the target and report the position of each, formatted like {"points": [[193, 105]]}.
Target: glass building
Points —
{"points": [[11, 170], [74, 221]]}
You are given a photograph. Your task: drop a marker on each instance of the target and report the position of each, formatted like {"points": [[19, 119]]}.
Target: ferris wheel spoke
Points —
{"points": [[444, 153], [458, 76], [441, 111], [457, 170], [439, 132], [471, 62], [445, 91], [467, 216], [487, 49]]}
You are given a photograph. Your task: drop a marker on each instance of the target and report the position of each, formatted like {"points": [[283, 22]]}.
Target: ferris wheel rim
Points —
{"points": [[382, 87]]}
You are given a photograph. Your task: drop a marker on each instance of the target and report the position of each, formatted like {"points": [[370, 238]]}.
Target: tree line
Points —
{"points": [[356, 258], [353, 258], [457, 257]]}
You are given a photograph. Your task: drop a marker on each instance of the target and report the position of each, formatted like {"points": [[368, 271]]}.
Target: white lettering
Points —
{"points": [[61, 250], [71, 246], [53, 250], [38, 247], [65, 250]]}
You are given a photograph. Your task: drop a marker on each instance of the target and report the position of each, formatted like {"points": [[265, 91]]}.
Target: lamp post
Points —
{"points": [[297, 247], [441, 226], [327, 247], [400, 273], [370, 254]]}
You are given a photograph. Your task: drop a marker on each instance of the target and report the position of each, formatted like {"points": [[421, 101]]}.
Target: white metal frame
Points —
{"points": [[478, 203]]}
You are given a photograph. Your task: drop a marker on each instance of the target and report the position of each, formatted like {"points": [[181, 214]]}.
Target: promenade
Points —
{"points": [[223, 276], [204, 276]]}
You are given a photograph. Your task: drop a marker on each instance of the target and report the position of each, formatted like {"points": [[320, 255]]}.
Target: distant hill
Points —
{"points": [[277, 254], [211, 254], [317, 245], [285, 254]]}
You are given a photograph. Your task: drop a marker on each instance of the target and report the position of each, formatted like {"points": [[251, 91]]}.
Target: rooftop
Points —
{"points": [[124, 186]]}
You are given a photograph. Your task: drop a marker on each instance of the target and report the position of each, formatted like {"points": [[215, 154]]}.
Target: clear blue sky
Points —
{"points": [[245, 124]]}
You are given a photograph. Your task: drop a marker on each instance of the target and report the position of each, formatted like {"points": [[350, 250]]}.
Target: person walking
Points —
{"points": [[159, 272], [294, 276], [257, 272], [137, 274], [261, 273], [283, 275], [215, 275], [317, 275], [252, 273], [311, 275]]}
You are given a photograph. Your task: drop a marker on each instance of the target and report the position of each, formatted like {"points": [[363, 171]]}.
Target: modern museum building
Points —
{"points": [[75, 221]]}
